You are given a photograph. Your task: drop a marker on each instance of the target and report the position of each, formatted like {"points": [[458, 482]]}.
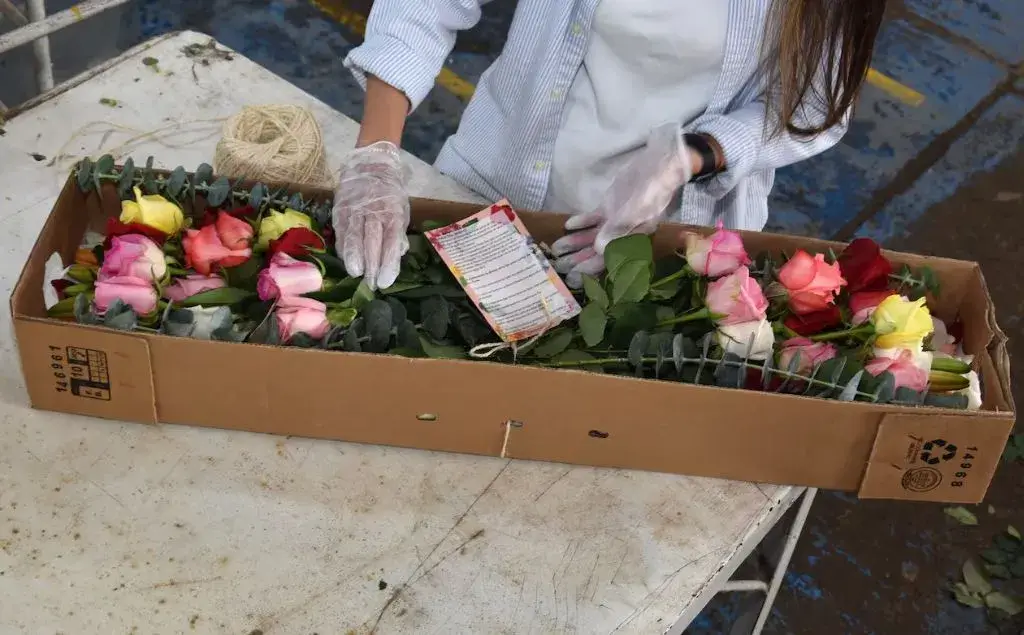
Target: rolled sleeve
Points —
{"points": [[395, 63]]}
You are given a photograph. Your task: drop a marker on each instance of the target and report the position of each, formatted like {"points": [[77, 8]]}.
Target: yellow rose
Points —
{"points": [[154, 211], [900, 323], [276, 223]]}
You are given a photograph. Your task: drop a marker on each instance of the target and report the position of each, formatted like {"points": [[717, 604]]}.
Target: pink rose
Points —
{"points": [[737, 297], [188, 286], [138, 293], [133, 255], [864, 303], [810, 354], [287, 276], [811, 282], [301, 315], [904, 369], [225, 243], [716, 255]]}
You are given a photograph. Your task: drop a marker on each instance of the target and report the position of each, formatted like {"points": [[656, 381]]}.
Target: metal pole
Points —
{"points": [[12, 13], [35, 30], [41, 47]]}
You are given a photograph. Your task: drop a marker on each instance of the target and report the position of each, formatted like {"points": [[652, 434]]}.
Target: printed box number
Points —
{"points": [[964, 466], [81, 371]]}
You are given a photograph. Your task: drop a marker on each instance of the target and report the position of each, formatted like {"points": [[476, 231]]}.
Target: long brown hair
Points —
{"points": [[806, 38]]}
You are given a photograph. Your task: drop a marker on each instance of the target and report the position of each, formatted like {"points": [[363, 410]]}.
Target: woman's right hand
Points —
{"points": [[371, 213]]}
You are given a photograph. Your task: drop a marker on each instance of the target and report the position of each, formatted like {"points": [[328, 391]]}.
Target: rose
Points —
{"points": [[297, 241], [224, 243], [190, 285], [864, 266], [942, 341], [295, 314], [117, 228], [716, 255], [754, 337], [814, 323], [287, 276], [812, 283], [153, 211], [275, 223], [903, 368], [900, 323], [864, 303], [138, 293], [210, 215], [133, 255], [807, 354], [736, 298]]}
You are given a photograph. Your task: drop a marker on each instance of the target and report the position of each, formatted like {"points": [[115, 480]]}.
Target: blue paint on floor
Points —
{"points": [[998, 134], [819, 196], [994, 25]]}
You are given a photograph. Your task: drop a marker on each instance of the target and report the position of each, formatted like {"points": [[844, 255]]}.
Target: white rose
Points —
{"points": [[736, 339]]}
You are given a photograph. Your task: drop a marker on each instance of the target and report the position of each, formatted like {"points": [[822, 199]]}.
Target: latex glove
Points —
{"points": [[371, 214], [635, 202]]}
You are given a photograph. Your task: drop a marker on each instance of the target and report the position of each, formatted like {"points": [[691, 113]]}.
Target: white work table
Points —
{"points": [[108, 527]]}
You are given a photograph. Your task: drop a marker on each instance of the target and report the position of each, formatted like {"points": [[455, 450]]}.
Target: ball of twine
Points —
{"points": [[273, 144]]}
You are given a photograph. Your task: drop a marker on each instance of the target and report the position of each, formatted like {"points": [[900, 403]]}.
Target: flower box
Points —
{"points": [[570, 416]]}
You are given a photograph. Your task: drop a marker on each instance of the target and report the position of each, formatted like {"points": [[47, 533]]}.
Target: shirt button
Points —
{"points": [[556, 93], [576, 28], [540, 165]]}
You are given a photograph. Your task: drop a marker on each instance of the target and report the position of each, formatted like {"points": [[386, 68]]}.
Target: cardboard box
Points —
{"points": [[519, 412]]}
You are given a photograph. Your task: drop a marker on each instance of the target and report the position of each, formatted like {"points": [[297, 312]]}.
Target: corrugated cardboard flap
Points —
{"points": [[935, 456]]}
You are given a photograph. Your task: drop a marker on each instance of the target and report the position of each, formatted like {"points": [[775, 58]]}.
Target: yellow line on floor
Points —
{"points": [[447, 79], [453, 83], [900, 91]]}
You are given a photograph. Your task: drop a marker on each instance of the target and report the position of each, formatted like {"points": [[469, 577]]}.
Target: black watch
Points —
{"points": [[702, 146]]}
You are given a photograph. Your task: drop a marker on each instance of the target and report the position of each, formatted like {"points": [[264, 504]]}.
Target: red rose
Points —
{"points": [[864, 266], [210, 215], [116, 228], [813, 323], [296, 242]]}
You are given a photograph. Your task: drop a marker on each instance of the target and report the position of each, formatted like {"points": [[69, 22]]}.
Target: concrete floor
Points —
{"points": [[933, 164]]}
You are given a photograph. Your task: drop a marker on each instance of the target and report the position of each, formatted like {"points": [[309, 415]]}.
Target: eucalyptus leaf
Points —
{"points": [[407, 336], [399, 313], [257, 195], [218, 192], [953, 401], [178, 322], [350, 342], [175, 182], [149, 185], [126, 179], [1002, 602], [435, 316], [637, 348], [471, 328], [304, 340], [441, 351], [731, 371], [124, 320], [995, 556], [592, 321], [379, 321], [849, 392], [204, 174], [553, 343], [998, 571]]}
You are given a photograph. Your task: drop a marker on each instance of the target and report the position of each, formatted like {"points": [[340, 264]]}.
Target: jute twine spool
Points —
{"points": [[273, 144]]}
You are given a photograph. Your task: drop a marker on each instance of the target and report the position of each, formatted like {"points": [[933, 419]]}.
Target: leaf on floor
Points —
{"points": [[962, 515]]}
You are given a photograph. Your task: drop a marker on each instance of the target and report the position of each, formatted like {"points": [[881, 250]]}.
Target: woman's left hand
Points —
{"points": [[634, 203]]}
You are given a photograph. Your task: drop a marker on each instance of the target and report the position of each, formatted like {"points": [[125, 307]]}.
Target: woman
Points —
{"points": [[606, 109]]}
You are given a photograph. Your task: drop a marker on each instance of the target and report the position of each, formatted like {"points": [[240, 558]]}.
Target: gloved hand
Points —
{"points": [[371, 213], [635, 202]]}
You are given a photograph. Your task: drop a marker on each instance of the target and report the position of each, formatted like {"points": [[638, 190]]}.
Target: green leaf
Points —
{"points": [[975, 579], [245, 275], [204, 174], [632, 248], [120, 316], [104, 165], [439, 351], [178, 322], [966, 596], [576, 355], [995, 556], [64, 308], [350, 342], [379, 321], [553, 343], [304, 340], [592, 324], [408, 337], [628, 319], [218, 192], [1017, 568], [962, 515], [127, 178], [341, 317], [435, 316], [419, 247], [398, 312], [1001, 602], [998, 571], [1007, 543], [638, 347], [631, 282], [471, 328], [953, 401], [217, 297], [595, 292], [849, 392], [1013, 532], [363, 295], [257, 194], [85, 170], [175, 182], [148, 179]]}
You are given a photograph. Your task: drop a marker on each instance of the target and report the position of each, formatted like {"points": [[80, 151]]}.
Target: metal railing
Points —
{"points": [[37, 26]]}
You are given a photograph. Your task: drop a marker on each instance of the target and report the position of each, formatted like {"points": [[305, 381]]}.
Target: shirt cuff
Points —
{"points": [[396, 64], [739, 135]]}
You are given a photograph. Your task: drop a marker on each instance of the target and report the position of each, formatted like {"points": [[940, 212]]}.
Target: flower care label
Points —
{"points": [[497, 262]]}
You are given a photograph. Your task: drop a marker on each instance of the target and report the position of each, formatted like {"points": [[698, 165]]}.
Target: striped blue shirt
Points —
{"points": [[505, 141]]}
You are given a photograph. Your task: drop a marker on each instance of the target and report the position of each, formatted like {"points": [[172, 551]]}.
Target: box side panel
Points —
{"points": [[86, 370], [938, 458]]}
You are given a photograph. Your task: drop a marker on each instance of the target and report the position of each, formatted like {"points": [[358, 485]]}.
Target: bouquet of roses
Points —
{"points": [[201, 257]]}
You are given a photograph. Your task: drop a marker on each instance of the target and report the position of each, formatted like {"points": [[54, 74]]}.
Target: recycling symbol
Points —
{"points": [[937, 450]]}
